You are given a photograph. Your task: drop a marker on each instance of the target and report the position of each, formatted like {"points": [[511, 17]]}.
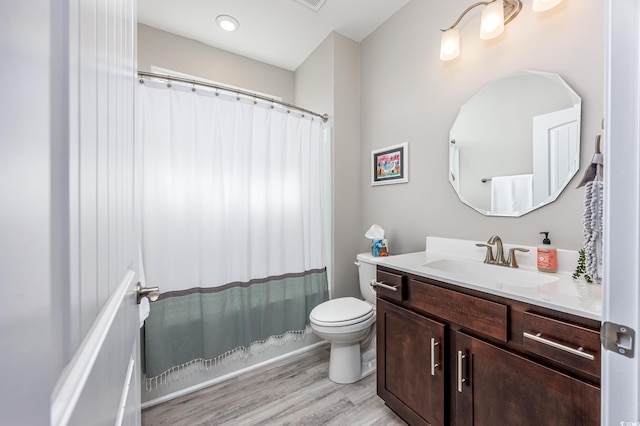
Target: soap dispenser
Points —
{"points": [[547, 255]]}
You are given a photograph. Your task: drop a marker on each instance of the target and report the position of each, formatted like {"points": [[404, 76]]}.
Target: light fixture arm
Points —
{"points": [[512, 8]]}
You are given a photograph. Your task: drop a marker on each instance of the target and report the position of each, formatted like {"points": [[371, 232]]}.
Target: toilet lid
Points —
{"points": [[341, 311]]}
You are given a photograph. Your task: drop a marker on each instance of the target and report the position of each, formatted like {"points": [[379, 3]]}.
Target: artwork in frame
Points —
{"points": [[390, 165]]}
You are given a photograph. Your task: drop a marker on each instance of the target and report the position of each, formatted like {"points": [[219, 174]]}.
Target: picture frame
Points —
{"points": [[390, 165]]}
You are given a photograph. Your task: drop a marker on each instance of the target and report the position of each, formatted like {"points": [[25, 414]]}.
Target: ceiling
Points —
{"points": [[277, 32]]}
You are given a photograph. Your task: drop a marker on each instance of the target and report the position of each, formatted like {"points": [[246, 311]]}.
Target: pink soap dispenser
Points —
{"points": [[547, 255]]}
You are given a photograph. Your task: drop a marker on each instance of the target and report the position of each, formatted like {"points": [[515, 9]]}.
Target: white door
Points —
{"points": [[556, 151], [620, 374], [100, 385], [69, 322]]}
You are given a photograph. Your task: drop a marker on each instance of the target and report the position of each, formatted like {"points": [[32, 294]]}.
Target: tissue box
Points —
{"points": [[380, 248]]}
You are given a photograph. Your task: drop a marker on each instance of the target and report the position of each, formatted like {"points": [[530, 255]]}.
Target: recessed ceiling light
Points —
{"points": [[227, 23]]}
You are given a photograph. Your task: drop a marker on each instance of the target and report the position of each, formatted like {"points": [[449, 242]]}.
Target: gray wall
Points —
{"points": [[408, 94], [329, 81], [166, 50]]}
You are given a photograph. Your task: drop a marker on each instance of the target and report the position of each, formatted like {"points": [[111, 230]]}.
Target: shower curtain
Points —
{"points": [[232, 226]]}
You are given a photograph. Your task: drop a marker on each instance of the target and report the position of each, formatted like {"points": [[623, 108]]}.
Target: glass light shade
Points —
{"points": [[450, 45], [492, 20], [542, 5]]}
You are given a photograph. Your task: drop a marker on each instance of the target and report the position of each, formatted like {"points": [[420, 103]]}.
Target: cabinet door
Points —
{"points": [[411, 373], [493, 386]]}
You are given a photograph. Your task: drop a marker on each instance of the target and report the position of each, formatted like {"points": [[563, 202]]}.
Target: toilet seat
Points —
{"points": [[341, 312]]}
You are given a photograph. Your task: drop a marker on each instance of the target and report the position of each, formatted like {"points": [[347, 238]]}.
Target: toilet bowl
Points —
{"points": [[348, 324]]}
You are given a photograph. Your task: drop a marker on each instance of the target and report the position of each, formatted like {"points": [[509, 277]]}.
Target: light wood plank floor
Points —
{"points": [[295, 391]]}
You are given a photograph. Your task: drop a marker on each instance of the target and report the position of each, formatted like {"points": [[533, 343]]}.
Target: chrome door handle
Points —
{"points": [[151, 292], [434, 364], [461, 380], [375, 284], [579, 351]]}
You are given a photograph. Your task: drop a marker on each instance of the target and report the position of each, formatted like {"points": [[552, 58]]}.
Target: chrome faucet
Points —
{"points": [[499, 257]]}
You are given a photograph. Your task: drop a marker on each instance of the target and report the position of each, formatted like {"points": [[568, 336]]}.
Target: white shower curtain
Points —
{"points": [[232, 222]]}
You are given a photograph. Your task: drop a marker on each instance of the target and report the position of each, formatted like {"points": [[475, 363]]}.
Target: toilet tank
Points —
{"points": [[367, 272]]}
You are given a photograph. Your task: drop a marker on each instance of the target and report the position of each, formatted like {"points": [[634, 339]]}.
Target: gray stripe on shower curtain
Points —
{"points": [[198, 324]]}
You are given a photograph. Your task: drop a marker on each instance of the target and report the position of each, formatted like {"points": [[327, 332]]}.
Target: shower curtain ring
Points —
{"points": [[193, 87]]}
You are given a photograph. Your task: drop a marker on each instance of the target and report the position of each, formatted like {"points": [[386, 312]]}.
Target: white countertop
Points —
{"points": [[562, 293]]}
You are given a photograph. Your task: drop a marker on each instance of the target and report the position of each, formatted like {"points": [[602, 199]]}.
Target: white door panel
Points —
{"points": [[100, 384], [97, 379], [556, 151], [621, 280]]}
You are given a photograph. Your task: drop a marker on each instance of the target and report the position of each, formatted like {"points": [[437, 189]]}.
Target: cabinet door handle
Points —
{"points": [[375, 284], [461, 380], [434, 364], [579, 351]]}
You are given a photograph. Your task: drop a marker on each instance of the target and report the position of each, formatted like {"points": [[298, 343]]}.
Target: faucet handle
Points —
{"points": [[489, 256], [511, 260]]}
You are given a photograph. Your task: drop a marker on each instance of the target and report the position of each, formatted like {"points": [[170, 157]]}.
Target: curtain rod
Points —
{"points": [[324, 117]]}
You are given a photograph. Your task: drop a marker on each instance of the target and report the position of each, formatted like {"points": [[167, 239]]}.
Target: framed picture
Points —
{"points": [[390, 165]]}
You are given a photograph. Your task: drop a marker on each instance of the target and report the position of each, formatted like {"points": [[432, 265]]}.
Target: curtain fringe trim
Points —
{"points": [[182, 371]]}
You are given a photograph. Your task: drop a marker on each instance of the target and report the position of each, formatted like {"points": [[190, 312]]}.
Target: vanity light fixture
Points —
{"points": [[227, 23], [495, 15]]}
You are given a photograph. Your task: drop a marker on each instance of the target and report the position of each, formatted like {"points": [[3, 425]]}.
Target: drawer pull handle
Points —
{"points": [[434, 364], [375, 284], [461, 380], [579, 352]]}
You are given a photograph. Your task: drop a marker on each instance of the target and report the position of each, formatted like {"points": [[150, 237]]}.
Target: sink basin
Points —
{"points": [[489, 275]]}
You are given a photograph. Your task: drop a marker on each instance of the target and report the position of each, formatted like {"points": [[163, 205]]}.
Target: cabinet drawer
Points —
{"points": [[569, 344], [473, 313], [387, 281]]}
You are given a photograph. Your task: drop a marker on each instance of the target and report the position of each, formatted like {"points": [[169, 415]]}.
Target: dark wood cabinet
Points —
{"points": [[455, 356], [495, 386], [410, 347]]}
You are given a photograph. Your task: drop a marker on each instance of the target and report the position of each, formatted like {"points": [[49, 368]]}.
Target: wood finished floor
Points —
{"points": [[296, 391]]}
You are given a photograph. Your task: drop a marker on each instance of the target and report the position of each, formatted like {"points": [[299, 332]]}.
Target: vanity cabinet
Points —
{"points": [[451, 355], [412, 381]]}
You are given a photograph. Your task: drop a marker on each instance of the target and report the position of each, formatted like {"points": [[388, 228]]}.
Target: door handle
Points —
{"points": [[151, 292], [579, 351], [461, 379], [375, 284], [434, 364]]}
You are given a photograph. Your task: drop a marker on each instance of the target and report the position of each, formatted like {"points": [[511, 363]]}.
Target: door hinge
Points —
{"points": [[618, 338]]}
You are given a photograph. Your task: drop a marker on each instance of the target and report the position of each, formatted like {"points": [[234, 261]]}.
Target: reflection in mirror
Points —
{"points": [[515, 145]]}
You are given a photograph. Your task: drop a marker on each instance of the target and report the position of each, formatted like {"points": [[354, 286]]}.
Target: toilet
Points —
{"points": [[349, 324]]}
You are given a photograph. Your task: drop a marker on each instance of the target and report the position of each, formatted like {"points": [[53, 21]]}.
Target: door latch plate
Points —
{"points": [[618, 338]]}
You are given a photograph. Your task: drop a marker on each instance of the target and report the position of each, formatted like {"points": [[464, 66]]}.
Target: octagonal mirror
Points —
{"points": [[515, 145]]}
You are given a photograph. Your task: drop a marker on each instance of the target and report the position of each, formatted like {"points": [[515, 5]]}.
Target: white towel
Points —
{"points": [[511, 194]]}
